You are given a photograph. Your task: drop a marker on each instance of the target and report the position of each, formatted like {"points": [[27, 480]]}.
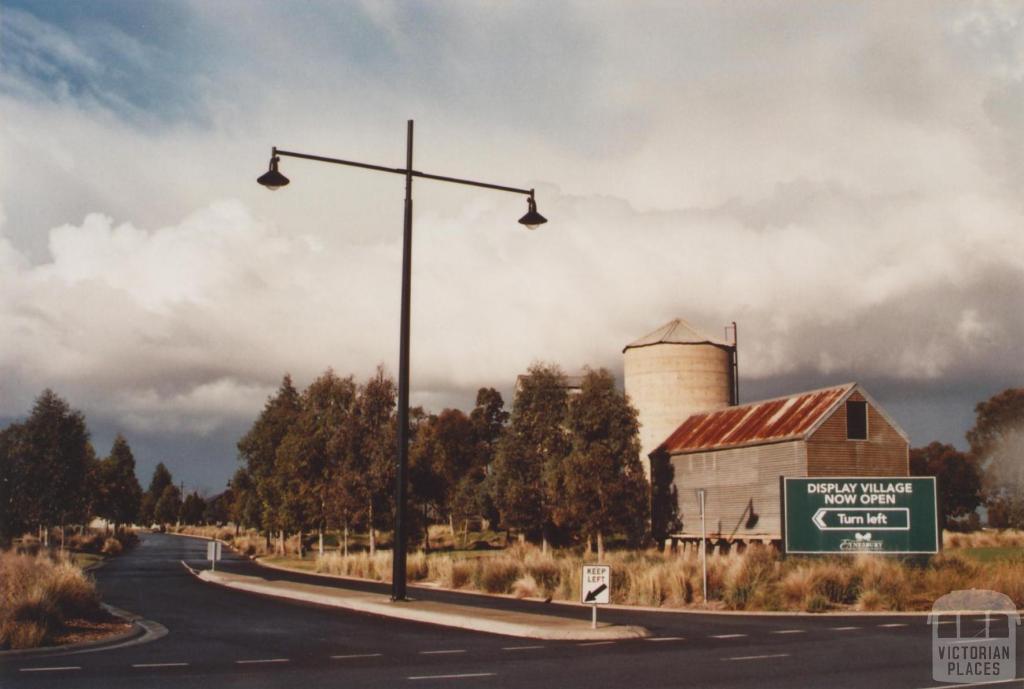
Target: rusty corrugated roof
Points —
{"points": [[769, 421]]}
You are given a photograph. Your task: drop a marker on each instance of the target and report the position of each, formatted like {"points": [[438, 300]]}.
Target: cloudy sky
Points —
{"points": [[844, 180]]}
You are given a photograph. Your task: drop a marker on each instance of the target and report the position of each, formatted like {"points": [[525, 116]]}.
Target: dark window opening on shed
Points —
{"points": [[856, 420]]}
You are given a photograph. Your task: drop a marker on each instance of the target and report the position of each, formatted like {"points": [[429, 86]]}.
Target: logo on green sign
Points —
{"points": [[850, 515]]}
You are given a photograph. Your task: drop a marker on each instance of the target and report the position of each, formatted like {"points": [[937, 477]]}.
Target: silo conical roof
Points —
{"points": [[676, 331]]}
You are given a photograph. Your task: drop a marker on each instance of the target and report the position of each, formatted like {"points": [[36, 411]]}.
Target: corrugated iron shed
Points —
{"points": [[769, 421]]}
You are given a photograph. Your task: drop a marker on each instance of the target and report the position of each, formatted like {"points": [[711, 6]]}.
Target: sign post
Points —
{"points": [[703, 542], [213, 553], [595, 588], [893, 515]]}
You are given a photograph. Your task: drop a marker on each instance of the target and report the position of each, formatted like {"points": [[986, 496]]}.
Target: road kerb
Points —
{"points": [[517, 624], [137, 631]]}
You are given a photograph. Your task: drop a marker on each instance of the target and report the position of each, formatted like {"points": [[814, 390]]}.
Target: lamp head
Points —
{"points": [[272, 179], [532, 219]]}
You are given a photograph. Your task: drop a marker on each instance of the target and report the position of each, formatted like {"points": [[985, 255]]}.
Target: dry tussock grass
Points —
{"points": [[497, 574], [362, 565], [87, 541], [751, 580], [526, 587], [112, 546], [986, 538], [756, 579], [38, 594]]}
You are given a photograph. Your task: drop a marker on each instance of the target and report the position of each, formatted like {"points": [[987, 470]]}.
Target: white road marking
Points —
{"points": [[51, 669], [520, 648], [159, 664], [596, 643], [771, 655], [262, 660], [438, 653], [463, 676], [843, 629], [978, 684], [790, 631], [894, 624], [357, 655], [665, 638], [727, 636]]}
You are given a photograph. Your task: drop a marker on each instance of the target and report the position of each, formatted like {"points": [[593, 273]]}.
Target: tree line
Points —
{"points": [[560, 467], [51, 477], [989, 474]]}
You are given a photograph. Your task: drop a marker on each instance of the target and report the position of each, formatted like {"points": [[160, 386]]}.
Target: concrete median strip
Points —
{"points": [[509, 623]]}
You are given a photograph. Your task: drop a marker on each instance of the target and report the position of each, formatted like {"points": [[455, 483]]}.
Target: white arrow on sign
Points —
{"points": [[819, 519]]}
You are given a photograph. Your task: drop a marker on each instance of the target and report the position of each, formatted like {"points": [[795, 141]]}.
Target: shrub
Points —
{"points": [[657, 584], [1007, 579], [543, 569], [525, 587], [128, 538], [750, 580], [251, 545], [28, 545], [870, 601], [363, 566], [986, 538], [87, 541], [37, 595], [836, 581], [30, 623], [460, 574], [797, 585], [886, 578], [71, 591], [416, 567], [816, 603], [947, 572], [497, 574], [112, 546], [751, 577], [717, 569]]}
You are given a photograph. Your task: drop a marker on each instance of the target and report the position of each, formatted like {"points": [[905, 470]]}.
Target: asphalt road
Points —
{"points": [[224, 638]]}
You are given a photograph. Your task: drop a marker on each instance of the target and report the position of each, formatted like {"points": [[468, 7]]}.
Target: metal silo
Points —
{"points": [[674, 372]]}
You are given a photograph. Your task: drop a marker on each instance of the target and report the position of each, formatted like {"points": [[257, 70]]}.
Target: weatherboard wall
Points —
{"points": [[736, 480], [884, 453]]}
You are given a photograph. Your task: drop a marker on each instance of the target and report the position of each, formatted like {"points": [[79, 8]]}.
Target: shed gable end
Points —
{"points": [[830, 452]]}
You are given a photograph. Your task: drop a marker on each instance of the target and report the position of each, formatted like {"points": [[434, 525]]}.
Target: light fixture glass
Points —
{"points": [[532, 219], [272, 179]]}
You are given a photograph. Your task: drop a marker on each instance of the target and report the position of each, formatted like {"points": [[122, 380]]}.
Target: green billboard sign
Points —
{"points": [[896, 515]]}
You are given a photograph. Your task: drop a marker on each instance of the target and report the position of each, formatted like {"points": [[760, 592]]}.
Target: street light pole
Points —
{"points": [[398, 549], [273, 179]]}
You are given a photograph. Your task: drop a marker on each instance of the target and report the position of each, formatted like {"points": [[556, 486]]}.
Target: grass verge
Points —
{"points": [[755, 579]]}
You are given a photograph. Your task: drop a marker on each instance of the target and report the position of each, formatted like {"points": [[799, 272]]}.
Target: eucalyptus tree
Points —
{"points": [[309, 456], [526, 472], [374, 446], [55, 459], [119, 493], [605, 488], [257, 450]]}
